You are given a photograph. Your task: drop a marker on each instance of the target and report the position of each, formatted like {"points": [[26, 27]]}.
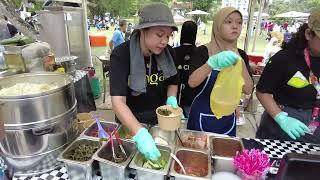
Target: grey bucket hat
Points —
{"points": [[155, 14]]}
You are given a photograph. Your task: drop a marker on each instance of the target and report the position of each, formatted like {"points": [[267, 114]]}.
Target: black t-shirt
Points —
{"points": [[282, 67], [183, 60], [156, 94], [200, 57]]}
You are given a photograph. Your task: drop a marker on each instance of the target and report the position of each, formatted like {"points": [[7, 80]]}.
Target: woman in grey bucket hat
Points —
{"points": [[143, 75], [155, 15]]}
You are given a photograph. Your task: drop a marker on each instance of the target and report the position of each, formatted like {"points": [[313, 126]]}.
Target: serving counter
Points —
{"points": [[274, 148]]}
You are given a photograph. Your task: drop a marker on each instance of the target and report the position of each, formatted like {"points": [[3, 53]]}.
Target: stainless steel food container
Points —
{"points": [[111, 170], [20, 112], [179, 176], [184, 133], [93, 127], [150, 174], [78, 170], [221, 163], [168, 136]]}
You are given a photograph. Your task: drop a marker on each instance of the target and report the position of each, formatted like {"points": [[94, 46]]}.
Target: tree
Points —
{"points": [[280, 6], [204, 5], [8, 8], [313, 4]]}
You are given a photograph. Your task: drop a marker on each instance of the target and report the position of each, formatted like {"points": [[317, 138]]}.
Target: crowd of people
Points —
{"points": [[146, 72]]}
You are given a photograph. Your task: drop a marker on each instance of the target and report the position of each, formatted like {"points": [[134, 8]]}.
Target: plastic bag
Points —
{"points": [[226, 93]]}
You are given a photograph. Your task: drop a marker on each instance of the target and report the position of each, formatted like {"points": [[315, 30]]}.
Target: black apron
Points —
{"points": [[269, 128], [201, 118]]}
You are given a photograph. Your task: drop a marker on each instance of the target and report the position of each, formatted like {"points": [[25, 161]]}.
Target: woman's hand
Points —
{"points": [[172, 101], [222, 60], [146, 144]]}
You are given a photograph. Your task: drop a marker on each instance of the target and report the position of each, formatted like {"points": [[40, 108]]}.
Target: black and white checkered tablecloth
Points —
{"points": [[277, 149], [58, 174], [274, 148]]}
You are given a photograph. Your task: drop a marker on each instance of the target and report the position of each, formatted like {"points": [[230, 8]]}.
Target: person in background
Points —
{"points": [[128, 32], [262, 26], [288, 88], [286, 36], [271, 49], [198, 21], [173, 41], [12, 29], [183, 60], [99, 25], [118, 35], [143, 75], [203, 27], [270, 26], [219, 53], [285, 26]]}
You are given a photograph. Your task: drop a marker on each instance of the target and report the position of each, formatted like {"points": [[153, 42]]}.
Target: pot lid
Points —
{"points": [[65, 58]]}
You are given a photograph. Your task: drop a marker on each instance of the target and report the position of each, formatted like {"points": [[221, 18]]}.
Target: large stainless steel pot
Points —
{"points": [[27, 142], [20, 112], [37, 126], [35, 164]]}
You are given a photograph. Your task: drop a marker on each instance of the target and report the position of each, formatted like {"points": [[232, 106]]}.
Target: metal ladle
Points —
{"points": [[179, 137], [179, 162]]}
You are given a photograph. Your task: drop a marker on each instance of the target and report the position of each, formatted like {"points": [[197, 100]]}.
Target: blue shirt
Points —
{"points": [[117, 38]]}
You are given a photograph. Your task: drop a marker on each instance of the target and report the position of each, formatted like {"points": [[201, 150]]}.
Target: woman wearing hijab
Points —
{"points": [[143, 75], [183, 61], [219, 53]]}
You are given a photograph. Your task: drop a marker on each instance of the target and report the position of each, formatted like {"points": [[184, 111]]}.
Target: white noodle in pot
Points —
{"points": [[21, 89]]}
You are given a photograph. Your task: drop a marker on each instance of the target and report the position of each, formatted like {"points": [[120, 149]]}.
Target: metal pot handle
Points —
{"points": [[42, 131]]}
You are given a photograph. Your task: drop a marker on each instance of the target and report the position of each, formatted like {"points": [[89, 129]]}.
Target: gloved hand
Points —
{"points": [[293, 127], [146, 144], [222, 60], [172, 101]]}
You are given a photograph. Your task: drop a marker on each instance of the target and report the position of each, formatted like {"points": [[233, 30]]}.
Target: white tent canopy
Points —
{"points": [[179, 19], [263, 14], [293, 14], [255, 14], [197, 12]]}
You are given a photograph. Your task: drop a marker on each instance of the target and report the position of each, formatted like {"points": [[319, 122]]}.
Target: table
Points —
{"points": [[274, 148], [255, 58]]}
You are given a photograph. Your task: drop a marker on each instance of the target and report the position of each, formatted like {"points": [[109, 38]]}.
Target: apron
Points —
{"points": [[201, 118]]}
